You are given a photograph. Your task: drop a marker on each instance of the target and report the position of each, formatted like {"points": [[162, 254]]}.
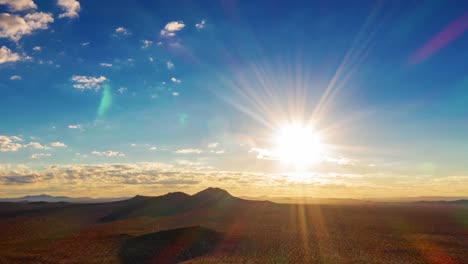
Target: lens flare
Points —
{"points": [[106, 100]]}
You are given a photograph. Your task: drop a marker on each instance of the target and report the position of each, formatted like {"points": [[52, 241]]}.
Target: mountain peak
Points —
{"points": [[212, 192]]}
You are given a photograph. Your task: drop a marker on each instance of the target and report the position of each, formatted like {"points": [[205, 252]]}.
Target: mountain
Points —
{"points": [[54, 199], [212, 199]]}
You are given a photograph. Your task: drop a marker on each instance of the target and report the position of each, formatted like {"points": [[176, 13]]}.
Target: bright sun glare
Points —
{"points": [[298, 146]]}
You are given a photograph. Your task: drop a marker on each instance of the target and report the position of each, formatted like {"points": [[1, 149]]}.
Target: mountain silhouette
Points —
{"points": [[173, 203]]}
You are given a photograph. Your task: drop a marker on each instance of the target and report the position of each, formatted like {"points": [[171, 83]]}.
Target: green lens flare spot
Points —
{"points": [[106, 100]]}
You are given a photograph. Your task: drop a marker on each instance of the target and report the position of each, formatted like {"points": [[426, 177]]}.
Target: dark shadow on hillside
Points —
{"points": [[170, 246]]}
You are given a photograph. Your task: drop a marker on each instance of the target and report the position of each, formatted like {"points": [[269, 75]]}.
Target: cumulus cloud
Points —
{"points": [[172, 27], [103, 64], [122, 90], [175, 80], [188, 151], [58, 144], [74, 126], [175, 93], [6, 55], [201, 24], [15, 27], [15, 78], [40, 155], [10, 143], [88, 82], [18, 5], [70, 8], [108, 153]]}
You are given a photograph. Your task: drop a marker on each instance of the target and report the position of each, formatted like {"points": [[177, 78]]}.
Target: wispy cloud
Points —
{"points": [[58, 144], [188, 151], [175, 80], [122, 90], [201, 24], [108, 153], [15, 78], [40, 155], [213, 145], [36, 145], [103, 64], [146, 43], [122, 31], [77, 126], [170, 65], [88, 82]]}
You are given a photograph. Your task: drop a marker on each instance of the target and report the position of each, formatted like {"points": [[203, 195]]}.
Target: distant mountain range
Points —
{"points": [[220, 192], [54, 199]]}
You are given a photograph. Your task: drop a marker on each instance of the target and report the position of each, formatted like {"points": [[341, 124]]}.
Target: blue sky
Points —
{"points": [[188, 94]]}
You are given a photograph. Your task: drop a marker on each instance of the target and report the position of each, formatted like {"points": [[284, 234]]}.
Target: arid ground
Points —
{"points": [[215, 227]]}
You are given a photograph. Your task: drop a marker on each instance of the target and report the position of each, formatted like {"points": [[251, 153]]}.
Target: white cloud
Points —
{"points": [[188, 151], [36, 145], [170, 65], [6, 55], [15, 78], [175, 93], [218, 151], [85, 44], [151, 59], [201, 24], [74, 126], [108, 153], [40, 155], [174, 80], [88, 82], [172, 27], [10, 143], [122, 90], [103, 64], [58, 144], [18, 5], [153, 148], [147, 43], [37, 48], [213, 145], [15, 27], [122, 31], [70, 8]]}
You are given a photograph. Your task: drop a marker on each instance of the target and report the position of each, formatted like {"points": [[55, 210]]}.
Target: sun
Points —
{"points": [[298, 146]]}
